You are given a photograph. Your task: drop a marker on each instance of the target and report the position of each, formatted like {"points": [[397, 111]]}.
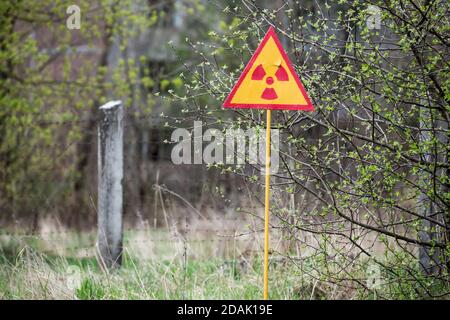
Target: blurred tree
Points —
{"points": [[52, 80]]}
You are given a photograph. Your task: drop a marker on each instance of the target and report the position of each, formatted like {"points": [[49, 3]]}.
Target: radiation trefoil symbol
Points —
{"points": [[259, 73]]}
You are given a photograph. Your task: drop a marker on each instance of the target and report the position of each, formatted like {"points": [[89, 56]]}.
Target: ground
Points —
{"points": [[166, 264], [37, 268]]}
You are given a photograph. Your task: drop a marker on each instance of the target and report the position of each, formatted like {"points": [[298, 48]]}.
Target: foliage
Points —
{"points": [[370, 166]]}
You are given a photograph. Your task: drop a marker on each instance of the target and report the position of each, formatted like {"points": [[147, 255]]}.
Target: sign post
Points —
{"points": [[266, 208], [270, 82]]}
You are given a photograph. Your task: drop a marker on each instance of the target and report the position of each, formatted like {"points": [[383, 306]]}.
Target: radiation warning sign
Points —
{"points": [[269, 81]]}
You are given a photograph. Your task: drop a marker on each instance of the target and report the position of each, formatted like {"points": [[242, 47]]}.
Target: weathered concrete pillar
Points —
{"points": [[110, 192]]}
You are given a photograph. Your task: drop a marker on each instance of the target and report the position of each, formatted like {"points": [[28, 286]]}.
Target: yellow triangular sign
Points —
{"points": [[269, 81]]}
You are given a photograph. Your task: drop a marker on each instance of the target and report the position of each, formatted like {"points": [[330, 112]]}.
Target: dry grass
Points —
{"points": [[196, 259]]}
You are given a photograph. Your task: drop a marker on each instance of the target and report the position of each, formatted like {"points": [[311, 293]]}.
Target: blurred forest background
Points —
{"points": [[362, 193]]}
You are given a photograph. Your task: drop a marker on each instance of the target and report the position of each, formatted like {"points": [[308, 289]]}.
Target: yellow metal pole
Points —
{"points": [[266, 213]]}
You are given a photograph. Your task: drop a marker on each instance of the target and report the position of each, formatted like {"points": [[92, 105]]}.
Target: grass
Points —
{"points": [[33, 269], [166, 266]]}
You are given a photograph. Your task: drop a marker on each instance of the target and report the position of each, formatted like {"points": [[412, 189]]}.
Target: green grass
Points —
{"points": [[30, 270], [40, 276], [67, 268]]}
